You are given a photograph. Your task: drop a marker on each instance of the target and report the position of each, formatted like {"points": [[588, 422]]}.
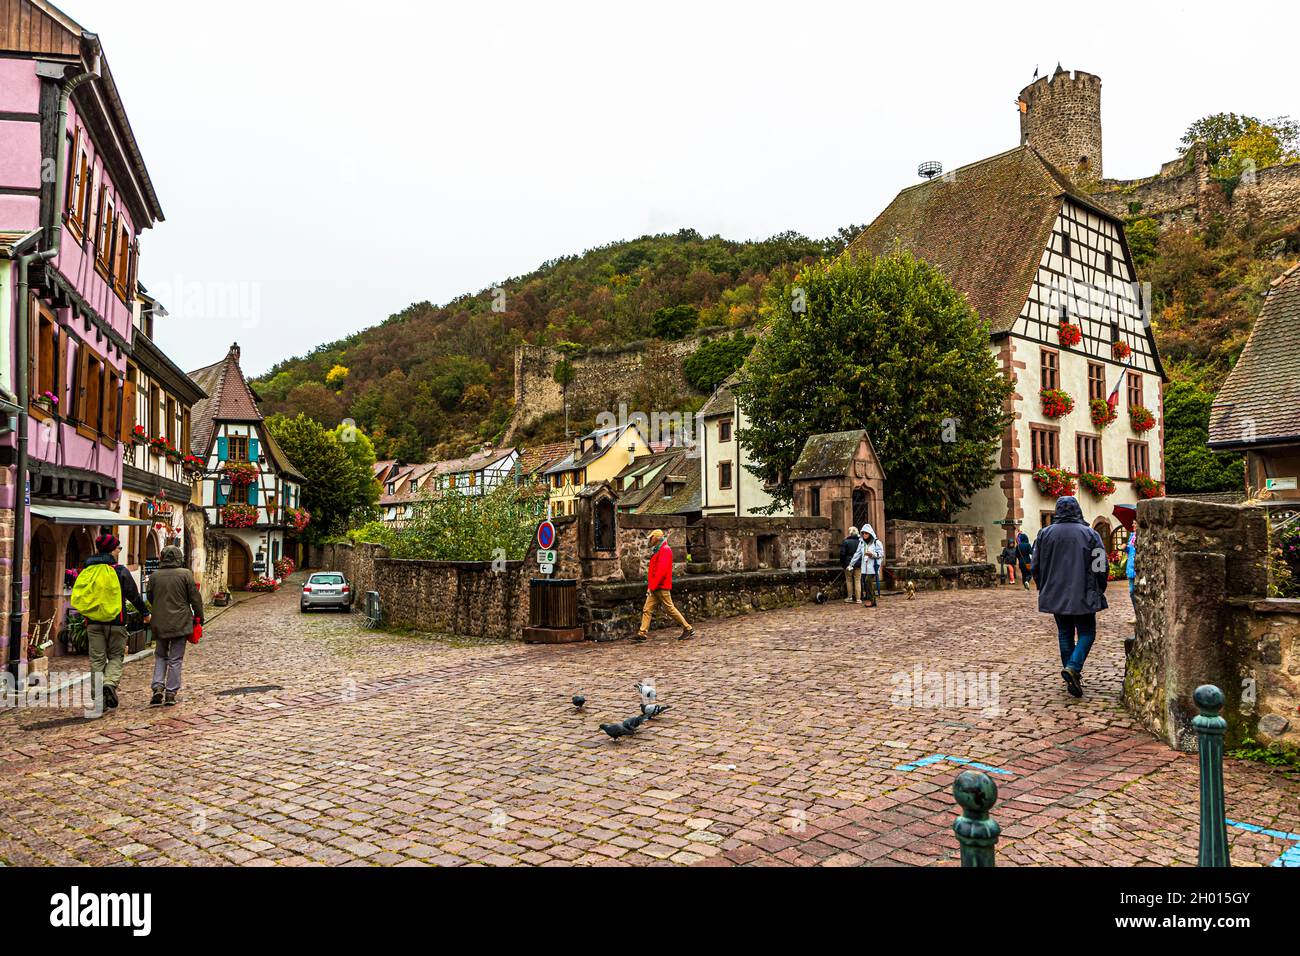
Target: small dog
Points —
{"points": [[911, 590]]}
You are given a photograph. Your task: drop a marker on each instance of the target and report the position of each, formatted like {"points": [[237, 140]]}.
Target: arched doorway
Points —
{"points": [[861, 509], [239, 564], [1102, 527], [46, 576]]}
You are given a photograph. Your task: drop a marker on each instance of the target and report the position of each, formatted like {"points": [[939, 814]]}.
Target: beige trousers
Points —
{"points": [[664, 599], [851, 582]]}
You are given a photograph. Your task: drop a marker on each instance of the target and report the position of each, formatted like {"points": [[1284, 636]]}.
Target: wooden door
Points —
{"points": [[238, 564]]}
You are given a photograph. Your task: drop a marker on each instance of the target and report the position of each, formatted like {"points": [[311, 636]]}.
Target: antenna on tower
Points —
{"points": [[930, 169]]}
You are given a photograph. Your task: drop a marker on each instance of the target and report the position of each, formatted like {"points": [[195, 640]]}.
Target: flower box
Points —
{"points": [[1102, 412], [1069, 334], [1141, 419], [1121, 350], [1098, 484], [238, 516], [240, 472], [1055, 482], [1056, 403], [139, 436], [1146, 486]]}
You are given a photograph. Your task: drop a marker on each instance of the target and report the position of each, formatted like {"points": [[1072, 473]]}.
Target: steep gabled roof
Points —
{"points": [[1257, 404], [984, 226], [830, 454], [475, 462], [540, 457]]}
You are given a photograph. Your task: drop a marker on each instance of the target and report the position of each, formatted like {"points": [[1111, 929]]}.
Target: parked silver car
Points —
{"points": [[326, 589]]}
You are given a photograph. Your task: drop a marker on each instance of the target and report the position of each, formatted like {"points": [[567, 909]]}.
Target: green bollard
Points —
{"points": [[976, 831], [1209, 727]]}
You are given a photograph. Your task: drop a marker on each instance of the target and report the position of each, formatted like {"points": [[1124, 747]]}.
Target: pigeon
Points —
{"points": [[578, 701], [626, 729], [647, 691], [651, 711]]}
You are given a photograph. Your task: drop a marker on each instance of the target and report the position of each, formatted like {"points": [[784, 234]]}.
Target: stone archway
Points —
{"points": [[1102, 527]]}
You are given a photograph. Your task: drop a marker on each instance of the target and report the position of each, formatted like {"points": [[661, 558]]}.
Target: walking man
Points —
{"points": [[851, 553], [1070, 569], [102, 591], [177, 607], [1024, 557], [659, 589]]}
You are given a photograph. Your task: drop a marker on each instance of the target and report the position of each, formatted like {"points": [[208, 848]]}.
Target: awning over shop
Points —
{"points": [[71, 514]]}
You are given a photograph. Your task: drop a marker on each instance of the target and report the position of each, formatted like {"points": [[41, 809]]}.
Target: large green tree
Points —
{"points": [[339, 473], [1190, 466], [885, 344]]}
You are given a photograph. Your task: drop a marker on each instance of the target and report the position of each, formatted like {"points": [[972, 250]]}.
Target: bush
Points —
{"points": [[714, 362], [451, 526]]}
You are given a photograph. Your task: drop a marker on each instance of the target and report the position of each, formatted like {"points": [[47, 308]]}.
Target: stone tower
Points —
{"points": [[1060, 116]]}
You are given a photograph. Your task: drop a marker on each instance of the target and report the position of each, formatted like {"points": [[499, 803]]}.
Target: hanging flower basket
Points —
{"points": [[297, 519], [1102, 412], [1146, 486], [1099, 485], [1069, 334], [1121, 350], [1141, 419], [1055, 482], [1056, 402], [238, 516], [240, 472]]}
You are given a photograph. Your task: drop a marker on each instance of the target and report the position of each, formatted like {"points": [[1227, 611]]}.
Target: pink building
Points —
{"points": [[74, 198]]}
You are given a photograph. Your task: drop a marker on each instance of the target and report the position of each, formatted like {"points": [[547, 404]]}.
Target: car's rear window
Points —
{"points": [[327, 579]]}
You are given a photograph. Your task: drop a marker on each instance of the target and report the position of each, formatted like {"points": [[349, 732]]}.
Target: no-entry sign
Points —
{"points": [[545, 535]]}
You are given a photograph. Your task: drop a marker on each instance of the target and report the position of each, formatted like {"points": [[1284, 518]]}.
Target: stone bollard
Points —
{"points": [[1209, 727], [976, 831]]}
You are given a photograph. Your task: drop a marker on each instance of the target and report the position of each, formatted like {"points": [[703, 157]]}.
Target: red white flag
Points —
{"points": [[1113, 399]]}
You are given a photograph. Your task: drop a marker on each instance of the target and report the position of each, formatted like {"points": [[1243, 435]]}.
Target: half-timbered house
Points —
{"points": [[251, 491], [1051, 273]]}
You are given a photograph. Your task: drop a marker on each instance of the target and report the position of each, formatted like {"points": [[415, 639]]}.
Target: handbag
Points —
{"points": [[197, 633]]}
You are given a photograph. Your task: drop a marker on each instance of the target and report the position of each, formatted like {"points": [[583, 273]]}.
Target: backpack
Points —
{"points": [[97, 595]]}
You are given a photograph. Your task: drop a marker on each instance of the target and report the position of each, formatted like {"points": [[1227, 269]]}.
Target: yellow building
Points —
{"points": [[597, 456]]}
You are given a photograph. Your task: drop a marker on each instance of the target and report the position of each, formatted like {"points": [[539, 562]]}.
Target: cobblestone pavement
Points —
{"points": [[784, 746]]}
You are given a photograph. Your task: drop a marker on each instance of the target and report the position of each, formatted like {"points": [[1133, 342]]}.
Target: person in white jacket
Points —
{"points": [[873, 559]]}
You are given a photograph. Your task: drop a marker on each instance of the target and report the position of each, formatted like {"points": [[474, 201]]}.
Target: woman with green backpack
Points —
{"points": [[102, 591]]}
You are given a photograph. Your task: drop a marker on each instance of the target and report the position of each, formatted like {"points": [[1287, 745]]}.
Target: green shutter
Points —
{"points": [[252, 449], [252, 494], [221, 448]]}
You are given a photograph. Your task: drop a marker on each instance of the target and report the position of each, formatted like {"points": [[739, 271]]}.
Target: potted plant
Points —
{"points": [[221, 598], [1102, 412], [173, 454], [236, 515], [76, 639], [192, 464], [1055, 482], [1121, 350], [1056, 402], [70, 578], [285, 567], [38, 642], [47, 401], [1141, 419], [158, 445], [1069, 334], [1098, 484], [139, 435], [263, 584]]}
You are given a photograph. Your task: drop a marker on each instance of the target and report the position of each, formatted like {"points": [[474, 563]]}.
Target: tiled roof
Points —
{"points": [[984, 226], [828, 455], [475, 462], [1257, 404], [229, 399], [541, 457], [684, 498], [651, 469], [721, 402]]}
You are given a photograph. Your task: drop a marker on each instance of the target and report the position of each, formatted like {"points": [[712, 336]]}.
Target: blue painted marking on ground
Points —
{"points": [[945, 758], [1290, 857]]}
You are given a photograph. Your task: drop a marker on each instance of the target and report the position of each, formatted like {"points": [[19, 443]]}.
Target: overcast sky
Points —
{"points": [[323, 165]]}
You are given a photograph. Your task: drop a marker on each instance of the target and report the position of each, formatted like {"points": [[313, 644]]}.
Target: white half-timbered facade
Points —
{"points": [[250, 490], [1035, 256]]}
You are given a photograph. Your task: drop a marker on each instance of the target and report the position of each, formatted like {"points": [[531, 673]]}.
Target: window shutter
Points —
{"points": [[128, 412], [61, 373], [252, 449], [79, 386], [252, 494], [221, 448]]}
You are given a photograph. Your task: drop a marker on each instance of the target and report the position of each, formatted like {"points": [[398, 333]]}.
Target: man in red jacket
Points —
{"points": [[659, 589]]}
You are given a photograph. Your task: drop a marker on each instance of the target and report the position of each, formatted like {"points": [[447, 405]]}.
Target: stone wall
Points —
{"points": [[449, 597], [1204, 617], [634, 543], [727, 543], [610, 612], [916, 544]]}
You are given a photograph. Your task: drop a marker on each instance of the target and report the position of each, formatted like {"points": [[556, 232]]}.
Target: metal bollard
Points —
{"points": [[976, 831], [1209, 727]]}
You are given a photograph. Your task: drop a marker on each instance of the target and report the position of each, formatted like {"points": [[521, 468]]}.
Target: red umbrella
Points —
{"points": [[1127, 515]]}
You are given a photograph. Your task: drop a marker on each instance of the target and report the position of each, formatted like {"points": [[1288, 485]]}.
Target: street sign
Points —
{"points": [[546, 568], [545, 535], [547, 557]]}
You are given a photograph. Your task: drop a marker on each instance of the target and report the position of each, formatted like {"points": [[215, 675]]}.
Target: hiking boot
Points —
{"points": [[687, 634], [640, 638], [169, 698], [157, 698], [1073, 681], [110, 698]]}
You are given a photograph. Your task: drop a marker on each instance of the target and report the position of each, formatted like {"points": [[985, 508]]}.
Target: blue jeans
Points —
{"points": [[1073, 655]]}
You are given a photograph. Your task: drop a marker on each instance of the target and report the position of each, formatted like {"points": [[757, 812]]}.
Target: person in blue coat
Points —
{"points": [[1130, 565], [1070, 570]]}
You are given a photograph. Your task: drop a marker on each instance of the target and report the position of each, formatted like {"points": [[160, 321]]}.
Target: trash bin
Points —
{"points": [[552, 611]]}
